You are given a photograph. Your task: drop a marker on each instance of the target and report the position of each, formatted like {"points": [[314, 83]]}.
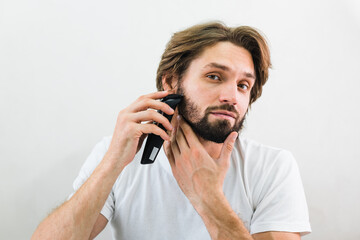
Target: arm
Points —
{"points": [[201, 179], [80, 217], [276, 236], [100, 224]]}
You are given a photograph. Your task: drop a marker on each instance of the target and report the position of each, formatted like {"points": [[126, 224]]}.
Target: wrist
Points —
{"points": [[212, 203], [112, 162], [220, 219]]}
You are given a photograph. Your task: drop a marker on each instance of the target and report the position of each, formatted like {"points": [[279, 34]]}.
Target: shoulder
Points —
{"points": [[96, 155], [264, 167], [257, 154], [93, 159], [274, 188], [99, 150]]}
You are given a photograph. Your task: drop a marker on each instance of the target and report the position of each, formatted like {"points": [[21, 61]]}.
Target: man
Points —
{"points": [[208, 182]]}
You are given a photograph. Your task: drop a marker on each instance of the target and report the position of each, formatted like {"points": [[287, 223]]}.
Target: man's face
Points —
{"points": [[216, 89]]}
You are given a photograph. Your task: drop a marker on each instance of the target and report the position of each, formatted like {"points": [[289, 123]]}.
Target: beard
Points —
{"points": [[216, 131]]}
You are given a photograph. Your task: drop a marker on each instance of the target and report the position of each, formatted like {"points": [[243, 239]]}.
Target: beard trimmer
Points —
{"points": [[154, 142]]}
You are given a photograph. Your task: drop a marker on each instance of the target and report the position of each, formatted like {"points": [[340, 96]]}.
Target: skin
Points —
{"points": [[222, 74], [79, 217], [199, 166]]}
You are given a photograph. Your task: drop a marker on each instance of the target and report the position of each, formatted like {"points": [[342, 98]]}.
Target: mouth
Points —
{"points": [[224, 114]]}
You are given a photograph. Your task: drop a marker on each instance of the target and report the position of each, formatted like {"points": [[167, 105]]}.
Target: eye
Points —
{"points": [[213, 77], [243, 86]]}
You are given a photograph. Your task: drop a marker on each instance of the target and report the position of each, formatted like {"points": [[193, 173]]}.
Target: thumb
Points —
{"points": [[227, 149]]}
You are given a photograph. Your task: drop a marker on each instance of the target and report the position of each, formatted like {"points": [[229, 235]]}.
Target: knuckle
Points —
{"points": [[229, 147], [142, 97], [149, 114], [120, 118], [195, 152], [153, 114], [128, 129], [121, 113], [158, 130]]}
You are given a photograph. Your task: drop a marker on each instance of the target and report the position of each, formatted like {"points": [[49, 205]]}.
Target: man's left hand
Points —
{"points": [[199, 176]]}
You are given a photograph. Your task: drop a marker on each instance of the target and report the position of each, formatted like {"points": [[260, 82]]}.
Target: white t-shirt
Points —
{"points": [[262, 185]]}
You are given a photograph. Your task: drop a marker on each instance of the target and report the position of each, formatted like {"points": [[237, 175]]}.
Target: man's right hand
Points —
{"points": [[134, 123], [79, 217]]}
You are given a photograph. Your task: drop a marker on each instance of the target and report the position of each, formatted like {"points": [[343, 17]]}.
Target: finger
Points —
{"points": [[169, 153], [227, 149], [151, 101], [174, 120], [156, 95], [174, 145], [181, 141], [152, 128], [189, 134], [151, 116], [146, 104], [141, 140]]}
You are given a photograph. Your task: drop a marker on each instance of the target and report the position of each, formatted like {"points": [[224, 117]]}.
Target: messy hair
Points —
{"points": [[186, 45]]}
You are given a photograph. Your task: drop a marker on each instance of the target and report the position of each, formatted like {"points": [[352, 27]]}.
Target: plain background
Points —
{"points": [[68, 67]]}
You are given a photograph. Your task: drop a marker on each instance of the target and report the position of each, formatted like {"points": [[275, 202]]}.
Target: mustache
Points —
{"points": [[226, 107]]}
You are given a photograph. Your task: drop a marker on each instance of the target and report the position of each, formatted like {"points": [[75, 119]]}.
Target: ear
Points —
{"points": [[169, 82]]}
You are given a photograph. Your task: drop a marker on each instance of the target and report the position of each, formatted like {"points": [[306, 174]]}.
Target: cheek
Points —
{"points": [[200, 97], [195, 89], [243, 104]]}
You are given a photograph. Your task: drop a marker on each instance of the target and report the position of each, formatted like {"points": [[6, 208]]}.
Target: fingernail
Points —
{"points": [[234, 136]]}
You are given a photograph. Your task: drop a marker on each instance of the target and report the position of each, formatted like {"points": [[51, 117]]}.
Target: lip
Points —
{"points": [[225, 113]]}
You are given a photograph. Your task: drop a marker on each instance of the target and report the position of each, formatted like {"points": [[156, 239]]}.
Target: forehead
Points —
{"points": [[235, 58]]}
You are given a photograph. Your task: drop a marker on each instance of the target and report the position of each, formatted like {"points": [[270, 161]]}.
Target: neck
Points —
{"points": [[212, 148]]}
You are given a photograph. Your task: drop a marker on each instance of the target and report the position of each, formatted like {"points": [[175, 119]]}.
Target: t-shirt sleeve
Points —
{"points": [[281, 203], [86, 170]]}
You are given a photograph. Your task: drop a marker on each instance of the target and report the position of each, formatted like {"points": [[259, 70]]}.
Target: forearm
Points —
{"points": [[76, 217], [201, 177], [220, 220]]}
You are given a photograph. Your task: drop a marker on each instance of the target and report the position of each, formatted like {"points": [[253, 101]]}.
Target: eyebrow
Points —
{"points": [[225, 68]]}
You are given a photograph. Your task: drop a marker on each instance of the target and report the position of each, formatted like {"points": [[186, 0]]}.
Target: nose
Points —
{"points": [[228, 93]]}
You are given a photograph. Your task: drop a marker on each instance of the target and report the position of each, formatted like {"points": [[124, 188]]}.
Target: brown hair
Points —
{"points": [[186, 45]]}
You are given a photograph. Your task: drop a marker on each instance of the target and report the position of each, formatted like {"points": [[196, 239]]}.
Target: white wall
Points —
{"points": [[68, 67]]}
